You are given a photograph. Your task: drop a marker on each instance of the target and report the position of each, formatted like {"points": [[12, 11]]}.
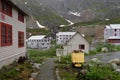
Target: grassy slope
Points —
{"points": [[99, 22]]}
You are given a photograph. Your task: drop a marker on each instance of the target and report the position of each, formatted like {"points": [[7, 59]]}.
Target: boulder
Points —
{"points": [[104, 49], [31, 79], [116, 60], [37, 65], [34, 75], [117, 70], [95, 60], [114, 66]]}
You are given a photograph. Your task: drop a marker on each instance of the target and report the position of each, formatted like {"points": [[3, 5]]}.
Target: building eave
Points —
{"points": [[16, 7]]}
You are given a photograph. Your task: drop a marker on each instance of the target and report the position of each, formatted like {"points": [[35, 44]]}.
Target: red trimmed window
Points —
{"points": [[21, 17], [5, 8], [6, 34], [82, 46], [20, 39]]}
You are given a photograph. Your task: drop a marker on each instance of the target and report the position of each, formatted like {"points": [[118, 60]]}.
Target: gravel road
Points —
{"points": [[104, 57], [47, 70]]}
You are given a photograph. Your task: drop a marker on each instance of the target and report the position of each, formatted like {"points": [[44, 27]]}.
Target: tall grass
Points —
{"points": [[40, 55]]}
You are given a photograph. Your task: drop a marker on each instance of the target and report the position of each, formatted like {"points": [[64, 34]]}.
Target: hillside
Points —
{"points": [[42, 14], [54, 12]]}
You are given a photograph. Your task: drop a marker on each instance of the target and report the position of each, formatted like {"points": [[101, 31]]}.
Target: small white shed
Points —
{"points": [[77, 42]]}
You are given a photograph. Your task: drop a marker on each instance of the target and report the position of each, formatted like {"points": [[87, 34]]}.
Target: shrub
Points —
{"points": [[93, 52], [100, 72], [109, 46]]}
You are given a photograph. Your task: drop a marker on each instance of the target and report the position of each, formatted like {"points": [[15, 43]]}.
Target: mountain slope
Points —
{"points": [[52, 12], [40, 13]]}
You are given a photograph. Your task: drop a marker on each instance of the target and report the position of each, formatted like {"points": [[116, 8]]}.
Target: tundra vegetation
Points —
{"points": [[89, 71]]}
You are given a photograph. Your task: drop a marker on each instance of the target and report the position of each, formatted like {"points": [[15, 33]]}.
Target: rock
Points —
{"points": [[33, 75], [114, 66], [116, 60], [104, 49], [95, 60], [117, 70], [31, 79], [37, 65], [84, 71], [17, 69]]}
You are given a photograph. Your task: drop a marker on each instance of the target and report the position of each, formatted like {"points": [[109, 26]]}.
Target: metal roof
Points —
{"points": [[114, 37], [39, 37], [65, 33], [113, 26]]}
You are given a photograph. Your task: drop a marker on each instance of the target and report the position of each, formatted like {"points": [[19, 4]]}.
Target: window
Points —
{"points": [[5, 8], [20, 39], [6, 34], [21, 17], [42, 43], [81, 46]]}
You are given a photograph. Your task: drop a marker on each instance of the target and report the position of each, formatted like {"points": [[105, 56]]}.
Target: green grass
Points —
{"points": [[15, 71], [97, 71], [98, 22], [40, 55], [39, 31], [101, 72]]}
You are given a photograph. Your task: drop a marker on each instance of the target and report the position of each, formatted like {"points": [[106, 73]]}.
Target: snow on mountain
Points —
{"points": [[74, 13], [39, 25], [71, 23]]}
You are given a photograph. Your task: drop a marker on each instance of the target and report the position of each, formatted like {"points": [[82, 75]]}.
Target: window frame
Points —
{"points": [[7, 35], [5, 8], [21, 41], [82, 46], [20, 16]]}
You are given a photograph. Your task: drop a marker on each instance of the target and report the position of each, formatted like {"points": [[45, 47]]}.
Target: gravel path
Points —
{"points": [[104, 57], [47, 70]]}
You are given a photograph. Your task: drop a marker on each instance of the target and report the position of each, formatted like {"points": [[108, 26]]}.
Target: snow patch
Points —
{"points": [[62, 26], [74, 13], [39, 25], [26, 3], [71, 23]]}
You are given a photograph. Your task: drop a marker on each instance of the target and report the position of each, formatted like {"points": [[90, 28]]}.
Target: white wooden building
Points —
{"points": [[12, 32], [39, 42], [63, 37], [77, 42], [112, 33]]}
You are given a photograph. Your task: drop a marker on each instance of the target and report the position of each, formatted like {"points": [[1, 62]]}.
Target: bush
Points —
{"points": [[100, 72], [93, 52], [66, 59], [109, 46]]}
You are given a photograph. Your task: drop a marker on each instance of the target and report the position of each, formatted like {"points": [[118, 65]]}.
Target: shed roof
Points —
{"points": [[65, 33], [39, 37], [74, 36]]}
